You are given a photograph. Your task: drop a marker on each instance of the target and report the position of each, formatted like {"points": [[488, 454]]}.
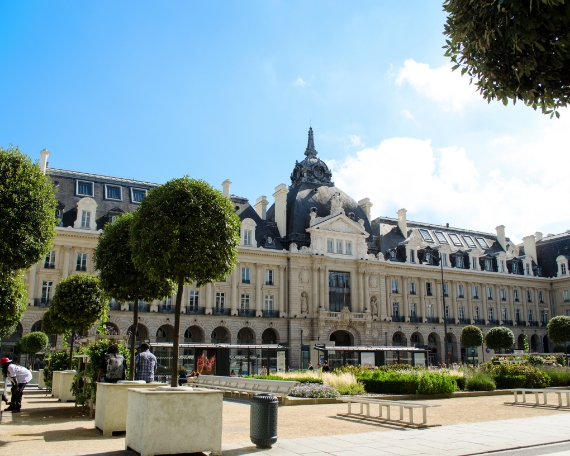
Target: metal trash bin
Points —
{"points": [[263, 420]]}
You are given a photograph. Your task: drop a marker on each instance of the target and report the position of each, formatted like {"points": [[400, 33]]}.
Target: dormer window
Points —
{"points": [[84, 188], [502, 265], [85, 219], [426, 236], [482, 242], [113, 192], [138, 195], [441, 237], [488, 264], [412, 256], [469, 241], [455, 239], [515, 267], [429, 258], [563, 269], [474, 263], [459, 262], [247, 235]]}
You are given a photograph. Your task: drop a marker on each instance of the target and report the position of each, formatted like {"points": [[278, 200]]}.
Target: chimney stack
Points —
{"points": [[501, 237], [538, 236], [365, 204], [226, 187], [45, 155], [261, 207], [280, 196], [530, 246], [402, 223]]}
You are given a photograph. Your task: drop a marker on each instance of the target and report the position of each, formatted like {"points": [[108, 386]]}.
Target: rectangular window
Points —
{"points": [[46, 291], [503, 294], [462, 313], [455, 239], [482, 242], [563, 268], [474, 261], [247, 237], [489, 293], [396, 309], [413, 310], [113, 192], [518, 315], [85, 188], [530, 315], [502, 265], [516, 295], [348, 247], [469, 241], [543, 315], [193, 301], [460, 291], [445, 290], [330, 246], [269, 277], [527, 269], [475, 291], [565, 296], [412, 256], [477, 314], [412, 287], [444, 259], [81, 262], [504, 314], [541, 297], [425, 235], [168, 301], [268, 302], [441, 237], [429, 289], [220, 300], [488, 264], [447, 315], [567, 312], [515, 268], [49, 262], [430, 311], [338, 246], [245, 275], [85, 219], [459, 262], [528, 296], [339, 290], [491, 313], [244, 302], [137, 195], [394, 285]]}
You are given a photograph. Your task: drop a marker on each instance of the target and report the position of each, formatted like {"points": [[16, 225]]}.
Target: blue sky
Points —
{"points": [[220, 90]]}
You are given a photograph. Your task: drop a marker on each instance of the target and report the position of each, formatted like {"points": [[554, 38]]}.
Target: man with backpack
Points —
{"points": [[113, 366]]}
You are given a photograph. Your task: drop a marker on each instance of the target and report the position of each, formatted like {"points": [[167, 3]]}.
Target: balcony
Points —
{"points": [[114, 306], [432, 320], [521, 323], [416, 319], [543, 323], [42, 302], [221, 311], [246, 312], [194, 310], [142, 307], [81, 268], [533, 323], [464, 321], [49, 265], [479, 321], [461, 296], [245, 281], [166, 308], [507, 322], [450, 321], [270, 313], [398, 319], [429, 293], [494, 322]]}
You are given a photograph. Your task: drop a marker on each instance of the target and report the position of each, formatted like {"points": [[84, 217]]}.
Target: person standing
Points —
{"points": [[326, 367], [113, 366], [145, 364], [18, 377]]}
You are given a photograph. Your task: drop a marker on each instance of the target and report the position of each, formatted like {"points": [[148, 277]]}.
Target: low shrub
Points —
{"points": [[510, 381], [57, 360], [461, 382], [356, 370], [392, 367], [534, 360], [508, 375], [436, 383], [479, 381], [354, 389], [313, 390], [559, 349], [278, 377], [390, 382], [559, 376]]}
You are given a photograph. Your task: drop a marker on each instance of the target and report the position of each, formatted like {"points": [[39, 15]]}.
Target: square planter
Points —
{"points": [[56, 383], [42, 380], [111, 405], [170, 420], [66, 380]]}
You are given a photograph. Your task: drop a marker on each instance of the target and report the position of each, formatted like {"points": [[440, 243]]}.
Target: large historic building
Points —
{"points": [[313, 267]]}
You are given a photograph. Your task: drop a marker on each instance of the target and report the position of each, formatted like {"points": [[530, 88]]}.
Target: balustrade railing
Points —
{"points": [[479, 321], [398, 319], [42, 302], [416, 319], [246, 312], [221, 311], [143, 307], [508, 322], [194, 310], [270, 313], [432, 320]]}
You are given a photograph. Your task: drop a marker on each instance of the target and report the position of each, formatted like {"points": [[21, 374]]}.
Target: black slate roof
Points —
{"points": [[550, 247], [266, 233]]}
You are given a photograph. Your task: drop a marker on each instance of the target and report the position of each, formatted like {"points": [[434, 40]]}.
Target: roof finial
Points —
{"points": [[310, 151]]}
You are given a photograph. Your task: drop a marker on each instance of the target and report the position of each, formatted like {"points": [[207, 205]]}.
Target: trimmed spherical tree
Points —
{"points": [[500, 338], [185, 231], [13, 301], [27, 211], [559, 330], [34, 342], [120, 278], [512, 49], [78, 303], [471, 336]]}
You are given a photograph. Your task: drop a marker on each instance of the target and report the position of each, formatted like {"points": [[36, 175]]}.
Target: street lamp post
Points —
{"points": [[444, 316]]}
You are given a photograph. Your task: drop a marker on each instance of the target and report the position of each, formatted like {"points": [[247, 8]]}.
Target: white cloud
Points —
{"points": [[355, 141], [300, 82], [407, 114], [442, 85], [445, 185]]}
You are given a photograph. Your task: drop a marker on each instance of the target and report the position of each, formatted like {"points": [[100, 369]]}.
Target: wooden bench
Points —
{"points": [[365, 402], [543, 391], [239, 387]]}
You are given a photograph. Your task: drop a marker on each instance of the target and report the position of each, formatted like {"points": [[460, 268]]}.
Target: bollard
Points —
{"points": [[263, 420]]}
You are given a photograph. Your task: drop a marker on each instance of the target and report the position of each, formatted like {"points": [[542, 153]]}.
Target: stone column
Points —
{"points": [[282, 289], [366, 277], [421, 291], [358, 307], [485, 305], [438, 306], [32, 279], [209, 299], [405, 305], [326, 282], [234, 297], [322, 287], [383, 304], [452, 289], [258, 291], [509, 303], [468, 288], [66, 261], [313, 306]]}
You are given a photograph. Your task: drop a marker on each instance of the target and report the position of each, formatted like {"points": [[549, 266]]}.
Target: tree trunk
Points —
{"points": [[176, 344], [134, 337], [71, 350]]}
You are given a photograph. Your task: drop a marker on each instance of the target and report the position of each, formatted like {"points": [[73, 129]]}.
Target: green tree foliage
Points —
{"points": [[471, 336], [559, 330], [78, 303], [34, 342], [53, 325], [185, 231], [13, 301], [500, 338], [57, 360], [27, 211], [513, 49], [120, 278]]}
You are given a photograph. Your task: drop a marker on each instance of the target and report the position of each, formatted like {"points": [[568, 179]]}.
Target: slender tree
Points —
{"points": [[500, 338], [471, 336], [559, 330], [120, 278], [185, 231], [513, 49], [27, 211], [79, 302], [13, 301]]}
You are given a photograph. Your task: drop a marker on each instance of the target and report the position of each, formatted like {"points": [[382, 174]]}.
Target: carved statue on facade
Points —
{"points": [[304, 305], [374, 305], [336, 204]]}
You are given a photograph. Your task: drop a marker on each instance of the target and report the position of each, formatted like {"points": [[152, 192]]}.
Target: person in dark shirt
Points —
{"points": [[112, 367]]}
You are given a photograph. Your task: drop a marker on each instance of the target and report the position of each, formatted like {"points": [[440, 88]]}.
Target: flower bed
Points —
{"points": [[313, 390]]}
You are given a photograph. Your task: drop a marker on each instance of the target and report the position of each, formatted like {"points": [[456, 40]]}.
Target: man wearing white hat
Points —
{"points": [[18, 377]]}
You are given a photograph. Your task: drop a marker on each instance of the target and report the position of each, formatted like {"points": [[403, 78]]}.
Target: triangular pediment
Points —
{"points": [[338, 223]]}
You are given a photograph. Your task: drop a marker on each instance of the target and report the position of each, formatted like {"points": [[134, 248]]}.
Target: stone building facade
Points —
{"points": [[313, 267]]}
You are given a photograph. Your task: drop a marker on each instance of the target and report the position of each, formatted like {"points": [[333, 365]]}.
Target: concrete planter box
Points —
{"points": [[56, 383], [111, 405], [169, 420], [42, 380], [35, 377], [66, 380]]}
